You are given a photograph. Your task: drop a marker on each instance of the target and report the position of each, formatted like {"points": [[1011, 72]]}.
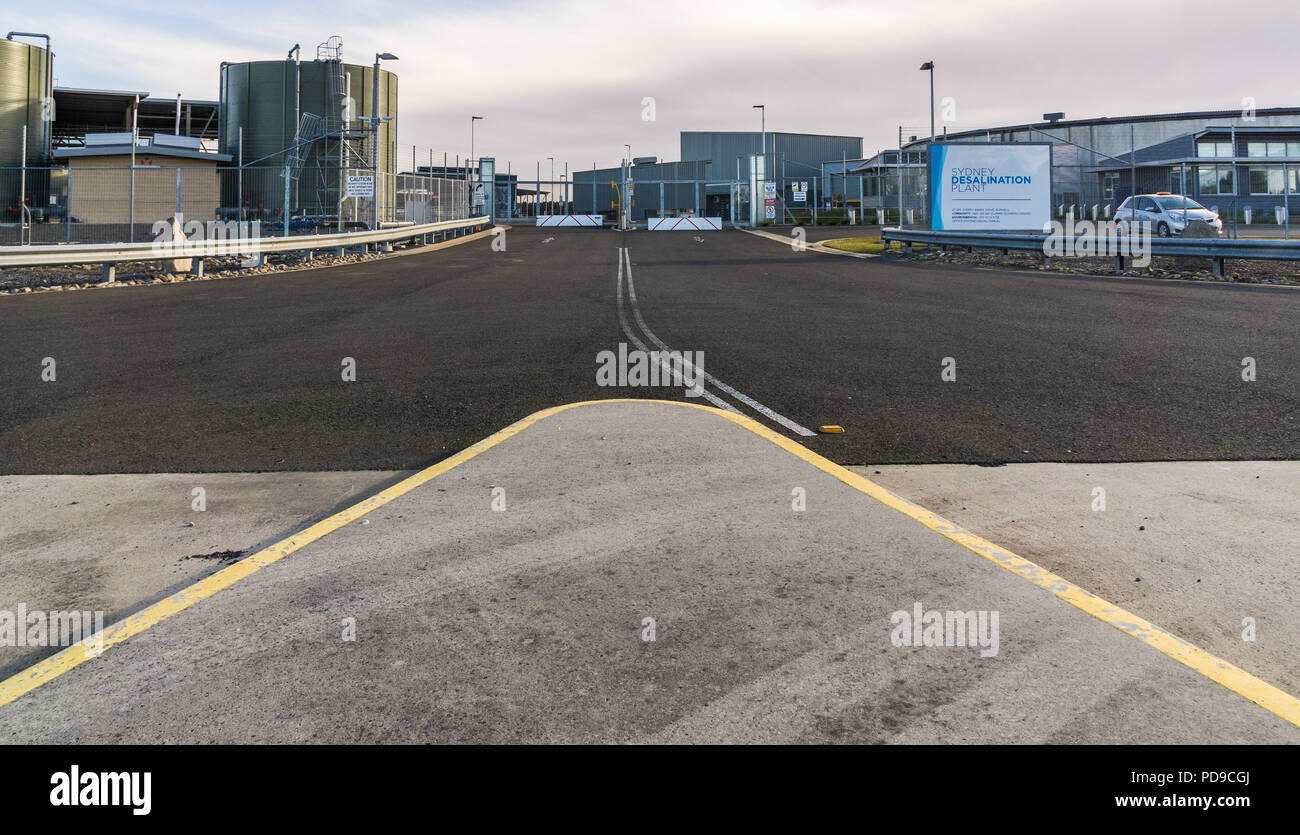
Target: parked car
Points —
{"points": [[1167, 213]]}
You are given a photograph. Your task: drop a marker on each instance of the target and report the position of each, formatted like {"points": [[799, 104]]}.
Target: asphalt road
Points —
{"points": [[245, 375]]}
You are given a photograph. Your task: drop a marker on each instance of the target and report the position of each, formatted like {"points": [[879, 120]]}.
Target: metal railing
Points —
{"points": [[64, 254], [1216, 249]]}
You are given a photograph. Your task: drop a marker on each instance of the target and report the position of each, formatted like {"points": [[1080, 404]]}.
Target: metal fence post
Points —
{"points": [[284, 210]]}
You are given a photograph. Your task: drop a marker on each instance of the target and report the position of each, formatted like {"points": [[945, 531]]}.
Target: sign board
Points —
{"points": [[479, 195], [360, 185], [801, 197], [769, 190], [803, 185], [769, 211], [981, 187]]}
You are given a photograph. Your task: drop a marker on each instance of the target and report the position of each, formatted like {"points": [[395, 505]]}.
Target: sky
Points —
{"points": [[570, 80]]}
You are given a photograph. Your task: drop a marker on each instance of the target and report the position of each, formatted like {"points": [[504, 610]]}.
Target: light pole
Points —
{"points": [[472, 120], [374, 127], [929, 148], [929, 65], [551, 190], [762, 110]]}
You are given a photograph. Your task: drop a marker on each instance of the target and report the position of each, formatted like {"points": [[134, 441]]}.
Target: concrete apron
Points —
{"points": [[512, 597]]}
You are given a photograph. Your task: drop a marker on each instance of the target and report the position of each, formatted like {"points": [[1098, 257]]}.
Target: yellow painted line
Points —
{"points": [[77, 654], [1234, 678], [1230, 676]]}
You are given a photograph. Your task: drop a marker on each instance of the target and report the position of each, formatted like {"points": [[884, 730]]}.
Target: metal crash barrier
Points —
{"points": [[249, 247], [1215, 249]]}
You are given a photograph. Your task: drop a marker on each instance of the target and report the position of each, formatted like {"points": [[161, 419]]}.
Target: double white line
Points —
{"points": [[625, 267]]}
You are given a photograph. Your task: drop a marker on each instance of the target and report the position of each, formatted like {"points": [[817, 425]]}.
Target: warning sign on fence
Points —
{"points": [[360, 185]]}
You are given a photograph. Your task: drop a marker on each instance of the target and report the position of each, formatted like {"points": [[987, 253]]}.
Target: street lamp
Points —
{"points": [[551, 190], [929, 65], [472, 120], [762, 109], [374, 127]]}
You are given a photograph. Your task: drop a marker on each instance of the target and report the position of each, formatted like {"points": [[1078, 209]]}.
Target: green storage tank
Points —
{"points": [[267, 100], [24, 87]]}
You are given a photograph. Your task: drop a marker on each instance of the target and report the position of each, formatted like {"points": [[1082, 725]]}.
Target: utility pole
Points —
{"points": [[900, 176], [135, 133]]}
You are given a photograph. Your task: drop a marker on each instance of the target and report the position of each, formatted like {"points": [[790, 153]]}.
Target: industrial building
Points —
{"points": [[173, 174], [281, 141], [1232, 160], [715, 174], [660, 189]]}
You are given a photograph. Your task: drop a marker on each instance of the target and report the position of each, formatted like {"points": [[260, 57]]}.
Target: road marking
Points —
{"points": [[664, 362], [748, 401], [809, 246], [51, 668], [1267, 696]]}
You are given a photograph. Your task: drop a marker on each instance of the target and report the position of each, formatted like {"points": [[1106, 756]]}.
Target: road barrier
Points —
{"points": [[571, 220], [684, 223], [197, 250], [1215, 249]]}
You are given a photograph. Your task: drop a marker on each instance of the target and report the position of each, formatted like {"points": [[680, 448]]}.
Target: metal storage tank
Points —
{"points": [[24, 84], [259, 96]]}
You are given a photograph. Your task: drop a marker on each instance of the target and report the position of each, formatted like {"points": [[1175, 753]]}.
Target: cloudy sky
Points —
{"points": [[567, 79]]}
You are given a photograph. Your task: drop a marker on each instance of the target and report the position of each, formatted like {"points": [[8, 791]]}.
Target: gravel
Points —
{"points": [[1188, 269], [86, 276]]}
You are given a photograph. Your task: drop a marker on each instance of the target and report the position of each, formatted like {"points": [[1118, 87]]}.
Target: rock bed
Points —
{"points": [[84, 276], [1189, 269]]}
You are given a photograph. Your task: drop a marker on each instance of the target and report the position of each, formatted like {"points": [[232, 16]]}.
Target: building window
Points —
{"points": [[1215, 179], [1214, 149], [1265, 180], [1109, 182], [1270, 149]]}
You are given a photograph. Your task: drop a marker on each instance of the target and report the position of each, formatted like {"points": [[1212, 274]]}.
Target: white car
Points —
{"points": [[1167, 213]]}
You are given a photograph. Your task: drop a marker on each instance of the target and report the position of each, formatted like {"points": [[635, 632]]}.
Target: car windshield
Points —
{"points": [[1177, 202]]}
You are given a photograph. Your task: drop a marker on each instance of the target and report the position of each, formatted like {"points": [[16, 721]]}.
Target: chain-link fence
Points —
{"points": [[85, 204]]}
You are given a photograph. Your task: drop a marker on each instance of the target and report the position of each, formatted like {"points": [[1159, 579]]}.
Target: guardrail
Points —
{"points": [[44, 255], [1216, 249]]}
